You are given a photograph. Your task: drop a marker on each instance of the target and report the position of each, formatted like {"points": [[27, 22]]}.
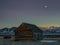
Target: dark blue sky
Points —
{"points": [[39, 12]]}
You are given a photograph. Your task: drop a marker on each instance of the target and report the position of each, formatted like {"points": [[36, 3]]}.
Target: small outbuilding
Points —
{"points": [[28, 31]]}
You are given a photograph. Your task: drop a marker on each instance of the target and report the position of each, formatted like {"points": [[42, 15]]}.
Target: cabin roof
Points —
{"points": [[32, 27]]}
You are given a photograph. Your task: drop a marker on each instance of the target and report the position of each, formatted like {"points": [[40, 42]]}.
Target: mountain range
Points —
{"points": [[7, 31], [55, 31], [10, 31]]}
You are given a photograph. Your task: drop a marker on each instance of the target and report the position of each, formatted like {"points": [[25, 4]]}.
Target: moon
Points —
{"points": [[45, 6]]}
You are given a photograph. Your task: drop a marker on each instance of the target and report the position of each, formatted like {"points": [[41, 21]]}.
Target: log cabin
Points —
{"points": [[28, 31]]}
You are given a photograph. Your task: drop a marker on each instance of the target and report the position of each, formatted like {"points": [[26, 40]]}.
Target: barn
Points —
{"points": [[28, 31]]}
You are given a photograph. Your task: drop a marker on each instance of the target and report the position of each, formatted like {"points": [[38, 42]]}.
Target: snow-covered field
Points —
{"points": [[42, 42]]}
